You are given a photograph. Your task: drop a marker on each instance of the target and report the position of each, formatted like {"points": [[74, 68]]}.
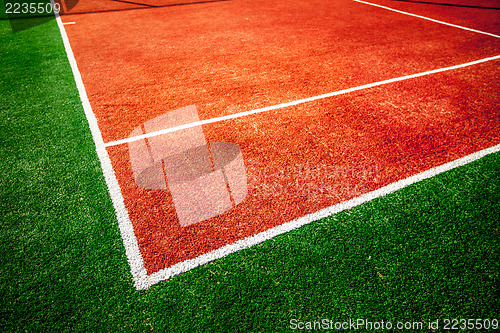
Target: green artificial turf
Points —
{"points": [[429, 251]]}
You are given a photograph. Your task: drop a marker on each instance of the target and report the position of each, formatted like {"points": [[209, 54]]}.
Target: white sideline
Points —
{"points": [[428, 19], [292, 103], [132, 251]]}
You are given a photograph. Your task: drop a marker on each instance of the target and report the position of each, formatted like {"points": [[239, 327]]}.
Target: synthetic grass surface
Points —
{"points": [[429, 251]]}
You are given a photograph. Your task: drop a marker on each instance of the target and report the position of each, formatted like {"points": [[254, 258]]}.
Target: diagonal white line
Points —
{"points": [[300, 101], [428, 19], [187, 265]]}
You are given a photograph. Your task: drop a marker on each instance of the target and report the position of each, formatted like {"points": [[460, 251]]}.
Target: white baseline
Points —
{"points": [[187, 265]]}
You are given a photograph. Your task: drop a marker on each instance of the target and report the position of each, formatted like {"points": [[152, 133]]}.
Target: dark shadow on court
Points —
{"points": [[135, 5], [21, 20], [447, 4]]}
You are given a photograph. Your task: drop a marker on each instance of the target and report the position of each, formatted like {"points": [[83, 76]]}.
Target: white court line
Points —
{"points": [[428, 19], [300, 101], [67, 23], [132, 251]]}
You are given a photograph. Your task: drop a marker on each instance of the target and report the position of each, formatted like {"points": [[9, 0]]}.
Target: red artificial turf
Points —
{"points": [[238, 55]]}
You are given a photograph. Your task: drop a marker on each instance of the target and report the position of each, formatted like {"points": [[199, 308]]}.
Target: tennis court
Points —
{"points": [[327, 101]]}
